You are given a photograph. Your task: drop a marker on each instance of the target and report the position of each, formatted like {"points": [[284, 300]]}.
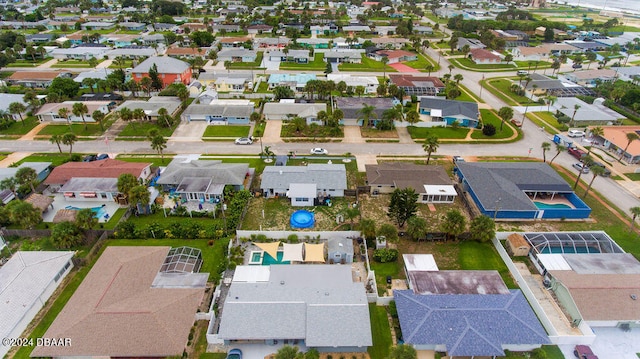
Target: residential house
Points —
{"points": [[351, 108], [270, 43], [561, 48], [500, 34], [150, 39], [153, 105], [313, 295], [165, 27], [519, 190], [484, 57], [209, 79], [40, 38], [231, 42], [590, 78], [132, 303], [340, 56], [187, 52], [296, 82], [204, 180], [324, 29], [49, 111], [259, 29], [110, 97], [225, 28], [629, 74], [81, 53], [133, 26], [206, 96], [355, 29], [98, 74], [540, 84], [29, 278], [419, 85], [319, 180], [134, 52], [42, 171], [57, 24], [35, 79], [519, 35], [97, 25], [7, 99], [446, 112], [525, 53], [231, 84], [383, 30], [285, 110], [314, 43], [170, 70], [587, 114], [237, 55], [473, 43], [297, 56], [393, 56], [587, 45], [193, 27], [219, 114], [390, 42], [370, 83], [557, 34], [423, 30], [432, 183], [615, 140], [341, 43]]}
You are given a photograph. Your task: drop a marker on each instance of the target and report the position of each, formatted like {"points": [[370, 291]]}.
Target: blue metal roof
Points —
{"points": [[468, 324]]}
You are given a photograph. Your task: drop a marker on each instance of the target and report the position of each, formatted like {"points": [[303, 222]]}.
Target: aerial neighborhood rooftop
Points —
{"points": [[319, 180]]}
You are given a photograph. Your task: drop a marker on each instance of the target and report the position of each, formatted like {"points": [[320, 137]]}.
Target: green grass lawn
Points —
{"points": [[72, 63], [248, 65], [434, 18], [489, 117], [469, 96], [126, 64], [20, 128], [549, 119], [422, 62], [633, 176], [501, 88], [440, 132], [464, 62], [263, 87], [226, 131], [77, 128], [367, 64], [309, 131], [524, 65], [483, 256], [56, 159], [380, 332], [141, 129], [383, 270], [316, 65], [29, 62]]}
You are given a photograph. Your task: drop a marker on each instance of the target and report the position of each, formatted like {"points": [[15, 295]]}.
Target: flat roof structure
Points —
{"points": [[419, 262], [117, 312], [27, 281], [457, 282]]}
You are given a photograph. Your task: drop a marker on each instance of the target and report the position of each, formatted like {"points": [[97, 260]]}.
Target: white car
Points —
{"points": [[581, 167], [575, 133], [243, 141], [319, 151]]}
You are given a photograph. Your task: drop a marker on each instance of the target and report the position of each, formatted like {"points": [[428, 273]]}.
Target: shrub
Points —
{"points": [[385, 255], [489, 130], [293, 238]]}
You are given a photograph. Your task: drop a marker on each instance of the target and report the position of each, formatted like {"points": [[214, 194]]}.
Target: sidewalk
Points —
{"points": [[13, 158], [48, 64], [32, 134]]}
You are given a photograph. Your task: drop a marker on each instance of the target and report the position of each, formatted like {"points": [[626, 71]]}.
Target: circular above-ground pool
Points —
{"points": [[302, 219]]}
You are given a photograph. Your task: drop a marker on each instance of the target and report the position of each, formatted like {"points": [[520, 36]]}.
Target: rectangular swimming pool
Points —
{"points": [[552, 250]]}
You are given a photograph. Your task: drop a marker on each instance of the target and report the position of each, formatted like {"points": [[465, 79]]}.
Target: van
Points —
{"points": [[522, 72], [575, 133]]}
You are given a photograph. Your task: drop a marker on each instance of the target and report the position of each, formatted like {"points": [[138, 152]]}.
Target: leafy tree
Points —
{"points": [[27, 176], [417, 227], [548, 34], [506, 114], [17, 108], [368, 228], [280, 92], [389, 232], [403, 205], [69, 139], [635, 212], [164, 117], [63, 87], [66, 235], [596, 171], [312, 354], [23, 214], [86, 219], [430, 146], [402, 351], [156, 81], [126, 182], [482, 229], [488, 130], [287, 352], [80, 109], [139, 195], [413, 117], [559, 149], [351, 214], [202, 38], [454, 223], [546, 146]]}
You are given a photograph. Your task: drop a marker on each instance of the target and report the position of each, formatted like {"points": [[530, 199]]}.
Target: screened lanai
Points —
{"points": [[572, 242], [182, 260]]}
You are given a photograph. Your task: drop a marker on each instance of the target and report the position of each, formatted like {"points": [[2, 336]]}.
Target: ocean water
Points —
{"points": [[613, 5]]}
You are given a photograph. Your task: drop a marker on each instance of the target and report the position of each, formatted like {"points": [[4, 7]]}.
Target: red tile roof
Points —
{"points": [[410, 80], [108, 168], [484, 54]]}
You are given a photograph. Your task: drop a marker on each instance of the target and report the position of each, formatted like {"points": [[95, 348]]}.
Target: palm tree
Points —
{"points": [[430, 68], [506, 114], [430, 145], [591, 56], [546, 146], [550, 101], [575, 110], [158, 144], [57, 139], [458, 78], [17, 108], [366, 113], [99, 116], [164, 115], [596, 171], [351, 214], [138, 114], [385, 61], [631, 136], [559, 149], [63, 112], [11, 184], [587, 161], [89, 82], [79, 109], [69, 139], [635, 212], [450, 67]]}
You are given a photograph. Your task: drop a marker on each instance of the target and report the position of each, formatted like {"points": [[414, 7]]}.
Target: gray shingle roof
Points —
{"points": [[507, 181], [219, 110], [350, 106], [299, 302], [326, 176], [468, 324], [165, 64], [220, 173], [451, 108]]}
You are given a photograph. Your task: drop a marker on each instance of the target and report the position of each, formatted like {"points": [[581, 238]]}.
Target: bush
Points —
{"points": [[489, 130], [385, 255], [292, 238]]}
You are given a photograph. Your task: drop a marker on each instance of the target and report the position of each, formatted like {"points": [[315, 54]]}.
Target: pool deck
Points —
{"points": [[555, 200], [60, 202]]}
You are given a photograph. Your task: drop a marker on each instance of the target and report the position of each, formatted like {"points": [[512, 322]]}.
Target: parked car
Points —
{"points": [[319, 151], [581, 167], [584, 352], [577, 153], [243, 141], [576, 66], [606, 172], [102, 156], [89, 158], [575, 133], [523, 72], [234, 354], [457, 159]]}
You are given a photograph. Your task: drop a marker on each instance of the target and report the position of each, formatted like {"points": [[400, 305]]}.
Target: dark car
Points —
{"points": [[102, 156], [576, 66], [577, 153], [89, 158], [234, 354], [606, 172], [584, 352]]}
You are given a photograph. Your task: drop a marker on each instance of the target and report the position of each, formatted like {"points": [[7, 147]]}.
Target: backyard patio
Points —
{"points": [[103, 210]]}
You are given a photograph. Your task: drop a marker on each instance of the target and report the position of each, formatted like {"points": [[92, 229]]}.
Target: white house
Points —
{"points": [[326, 180], [50, 111]]}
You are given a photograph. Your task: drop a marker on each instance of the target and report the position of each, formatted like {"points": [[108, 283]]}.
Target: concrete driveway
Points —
{"points": [[403, 68], [352, 134], [403, 135], [269, 64], [189, 131], [272, 131]]}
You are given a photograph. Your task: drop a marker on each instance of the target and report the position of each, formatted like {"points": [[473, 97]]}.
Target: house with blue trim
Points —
{"points": [[446, 112], [520, 190], [296, 82], [237, 55], [316, 43], [219, 113]]}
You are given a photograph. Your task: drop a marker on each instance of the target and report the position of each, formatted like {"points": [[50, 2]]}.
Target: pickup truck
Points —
{"points": [[577, 153]]}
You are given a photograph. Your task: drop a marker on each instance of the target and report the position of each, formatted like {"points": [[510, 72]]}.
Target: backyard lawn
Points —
{"points": [[226, 131], [380, 332], [316, 65], [367, 64], [77, 128], [141, 130], [19, 128], [440, 132], [490, 117], [422, 62]]}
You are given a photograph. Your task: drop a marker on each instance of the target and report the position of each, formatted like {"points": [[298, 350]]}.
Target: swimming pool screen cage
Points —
{"points": [[572, 242], [182, 260]]}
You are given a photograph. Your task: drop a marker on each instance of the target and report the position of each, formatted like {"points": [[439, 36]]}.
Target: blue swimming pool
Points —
{"points": [[268, 259], [99, 212], [561, 250], [542, 205]]}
